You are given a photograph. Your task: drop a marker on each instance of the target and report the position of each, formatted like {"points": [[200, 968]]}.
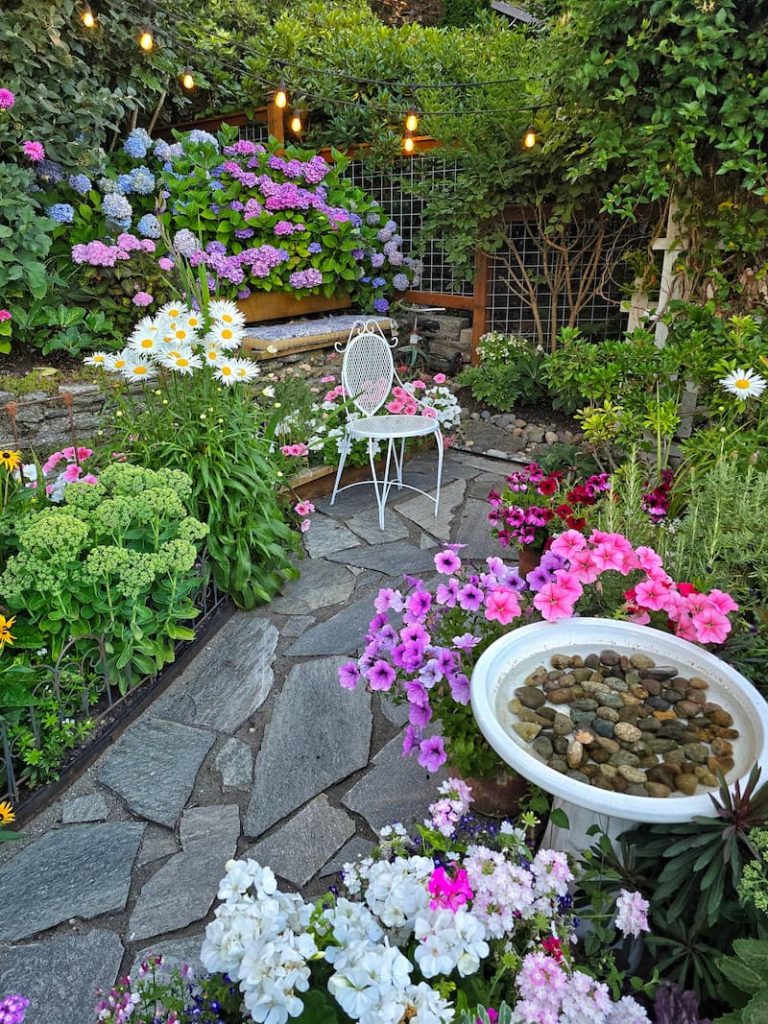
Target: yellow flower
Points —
{"points": [[7, 816], [6, 637], [9, 460]]}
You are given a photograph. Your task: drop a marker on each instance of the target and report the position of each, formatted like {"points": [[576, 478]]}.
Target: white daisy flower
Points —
{"points": [[245, 369], [224, 312], [744, 384], [182, 361], [117, 362], [226, 372], [97, 359], [139, 369], [179, 333], [226, 336], [145, 339], [213, 354], [174, 310]]}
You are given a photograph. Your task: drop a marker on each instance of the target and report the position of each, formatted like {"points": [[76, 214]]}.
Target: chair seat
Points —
{"points": [[382, 427]]}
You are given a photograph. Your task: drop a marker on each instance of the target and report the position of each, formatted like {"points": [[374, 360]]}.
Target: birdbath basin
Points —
{"points": [[508, 661]]}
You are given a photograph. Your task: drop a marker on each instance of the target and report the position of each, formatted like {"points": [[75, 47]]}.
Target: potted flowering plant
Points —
{"points": [[536, 505], [422, 645], [421, 932]]}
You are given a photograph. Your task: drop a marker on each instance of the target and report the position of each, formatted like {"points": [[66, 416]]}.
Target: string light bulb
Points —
{"points": [[146, 39], [408, 143], [411, 120], [281, 97], [187, 79], [87, 16], [530, 139], [296, 125]]}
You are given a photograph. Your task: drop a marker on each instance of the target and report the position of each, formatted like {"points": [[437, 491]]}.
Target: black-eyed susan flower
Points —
{"points": [[7, 817], [6, 637], [9, 459]]}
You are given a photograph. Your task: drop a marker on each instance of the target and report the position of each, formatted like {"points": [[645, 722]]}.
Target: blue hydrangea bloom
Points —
{"points": [[198, 136], [185, 243], [117, 208], [107, 185], [162, 149], [401, 282], [380, 305], [81, 183], [61, 212], [137, 144], [378, 282], [142, 181], [124, 184], [149, 226], [315, 247], [50, 172]]}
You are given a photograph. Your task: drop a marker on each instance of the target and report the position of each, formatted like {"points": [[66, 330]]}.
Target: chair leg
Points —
{"points": [[439, 440], [345, 443], [399, 463], [380, 491]]}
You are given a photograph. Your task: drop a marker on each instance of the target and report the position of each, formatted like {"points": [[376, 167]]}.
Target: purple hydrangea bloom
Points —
{"points": [[305, 278], [185, 243], [63, 213], [380, 305], [400, 282], [315, 247], [377, 260], [81, 183]]}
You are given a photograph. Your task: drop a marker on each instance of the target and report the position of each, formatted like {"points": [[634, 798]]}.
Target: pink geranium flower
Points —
{"points": [[34, 151], [554, 602], [502, 605], [449, 893]]}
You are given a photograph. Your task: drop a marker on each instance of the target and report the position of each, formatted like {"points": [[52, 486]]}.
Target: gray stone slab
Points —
{"points": [[352, 851], [454, 468], [392, 559], [184, 888], [176, 953], [153, 767], [320, 585], [92, 807], [157, 843], [343, 633], [318, 735], [229, 680], [397, 714], [296, 625], [427, 543], [395, 788], [77, 871], [366, 525], [235, 762], [60, 974], [298, 849], [475, 531], [326, 536], [421, 510], [348, 503]]}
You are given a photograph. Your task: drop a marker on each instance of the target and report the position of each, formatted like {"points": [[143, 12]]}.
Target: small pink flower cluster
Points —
{"points": [[454, 802], [99, 254], [631, 913], [34, 151], [550, 994], [7, 99], [72, 473], [334, 393], [304, 509], [294, 450], [449, 891], [4, 315]]}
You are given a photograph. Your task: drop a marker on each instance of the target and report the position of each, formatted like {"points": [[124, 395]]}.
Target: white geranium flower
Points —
{"points": [[429, 1005], [744, 384]]}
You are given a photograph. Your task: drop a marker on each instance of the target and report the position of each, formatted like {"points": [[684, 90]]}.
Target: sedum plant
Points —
{"points": [[109, 574]]}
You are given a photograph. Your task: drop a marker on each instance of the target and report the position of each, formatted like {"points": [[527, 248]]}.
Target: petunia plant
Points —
{"points": [[422, 645]]}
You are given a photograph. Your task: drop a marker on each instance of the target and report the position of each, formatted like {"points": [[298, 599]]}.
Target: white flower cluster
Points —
{"points": [[182, 340], [443, 401]]}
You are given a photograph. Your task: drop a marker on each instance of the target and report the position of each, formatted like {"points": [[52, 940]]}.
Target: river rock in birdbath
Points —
{"points": [[624, 723]]}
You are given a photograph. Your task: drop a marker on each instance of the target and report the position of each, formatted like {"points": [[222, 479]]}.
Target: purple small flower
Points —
{"points": [[466, 641], [447, 562], [142, 299], [419, 714], [7, 99], [538, 578], [381, 675], [470, 597], [459, 685], [432, 755], [430, 674], [165, 263], [380, 305], [447, 593], [411, 738], [419, 604], [349, 673], [315, 247]]}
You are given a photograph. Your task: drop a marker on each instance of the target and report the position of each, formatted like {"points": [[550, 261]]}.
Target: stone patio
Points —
{"points": [[254, 751]]}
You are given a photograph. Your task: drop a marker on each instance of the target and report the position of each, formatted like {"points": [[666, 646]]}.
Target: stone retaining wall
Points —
{"points": [[43, 421]]}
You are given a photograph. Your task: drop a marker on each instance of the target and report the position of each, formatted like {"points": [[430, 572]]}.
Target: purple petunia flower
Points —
{"points": [[470, 597], [432, 755], [349, 673], [466, 641], [381, 675], [447, 562]]}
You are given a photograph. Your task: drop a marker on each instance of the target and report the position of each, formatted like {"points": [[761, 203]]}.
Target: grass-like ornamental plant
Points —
{"points": [[109, 574]]}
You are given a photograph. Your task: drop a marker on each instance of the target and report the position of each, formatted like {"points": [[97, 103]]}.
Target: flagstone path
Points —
{"points": [[254, 751]]}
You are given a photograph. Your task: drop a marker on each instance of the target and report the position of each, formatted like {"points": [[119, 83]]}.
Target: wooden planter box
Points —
{"points": [[262, 306], [317, 482]]}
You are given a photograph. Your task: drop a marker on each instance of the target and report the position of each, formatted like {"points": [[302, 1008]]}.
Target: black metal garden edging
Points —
{"points": [[216, 608]]}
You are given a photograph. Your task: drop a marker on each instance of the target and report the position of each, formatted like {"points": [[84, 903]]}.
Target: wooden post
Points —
{"points": [[275, 121], [479, 302]]}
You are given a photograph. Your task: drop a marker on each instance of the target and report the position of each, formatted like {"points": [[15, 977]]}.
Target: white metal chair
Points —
{"points": [[367, 376]]}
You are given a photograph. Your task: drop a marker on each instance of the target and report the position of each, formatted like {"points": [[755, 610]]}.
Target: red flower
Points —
{"points": [[547, 515], [547, 486], [686, 589], [552, 946], [575, 524], [563, 511]]}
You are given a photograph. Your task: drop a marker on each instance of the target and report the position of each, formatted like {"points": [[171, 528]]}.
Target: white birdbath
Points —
{"points": [[507, 662]]}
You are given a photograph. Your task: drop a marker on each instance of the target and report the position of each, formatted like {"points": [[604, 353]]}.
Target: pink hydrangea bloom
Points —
{"points": [[142, 299], [4, 315]]}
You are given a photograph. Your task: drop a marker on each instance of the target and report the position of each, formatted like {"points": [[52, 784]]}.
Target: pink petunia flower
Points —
{"points": [[502, 605], [711, 626], [554, 602], [303, 508], [568, 543], [723, 602], [648, 560], [652, 594], [305, 525]]}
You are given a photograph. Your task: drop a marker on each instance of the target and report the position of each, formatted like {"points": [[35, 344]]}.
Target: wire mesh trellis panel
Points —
{"points": [[600, 316], [209, 600], [393, 188], [254, 131]]}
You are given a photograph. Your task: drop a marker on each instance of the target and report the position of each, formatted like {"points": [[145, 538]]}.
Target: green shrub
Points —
{"points": [[511, 372]]}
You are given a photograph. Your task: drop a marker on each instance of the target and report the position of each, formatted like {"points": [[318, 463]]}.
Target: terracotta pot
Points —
{"points": [[498, 796], [528, 559], [261, 306]]}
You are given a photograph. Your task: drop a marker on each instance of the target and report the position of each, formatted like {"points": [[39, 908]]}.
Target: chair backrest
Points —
{"points": [[368, 369]]}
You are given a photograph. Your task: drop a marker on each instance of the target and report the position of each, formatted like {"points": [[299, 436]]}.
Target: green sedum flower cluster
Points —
{"points": [[115, 563]]}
